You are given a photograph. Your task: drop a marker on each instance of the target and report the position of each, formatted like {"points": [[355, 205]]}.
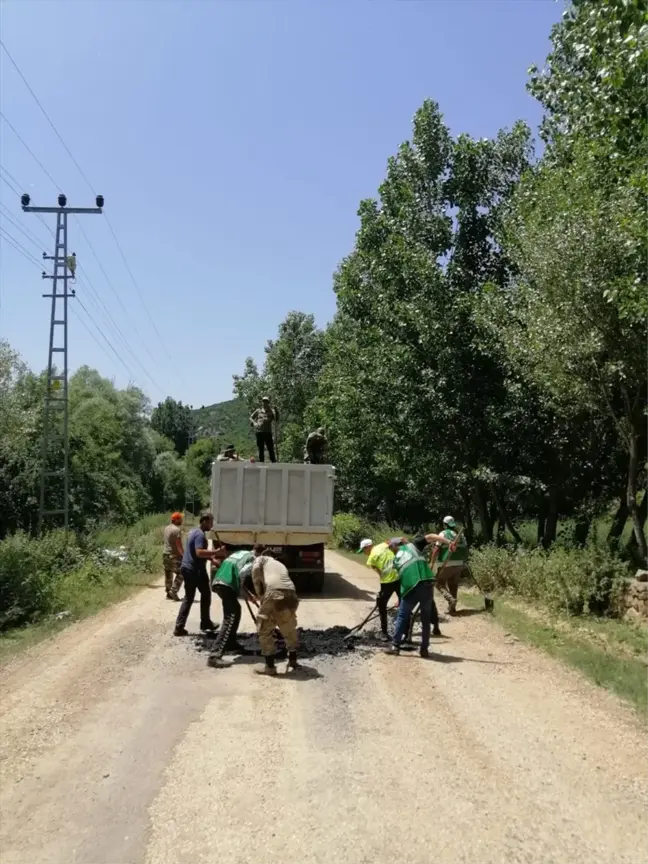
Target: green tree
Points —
{"points": [[293, 362], [173, 420]]}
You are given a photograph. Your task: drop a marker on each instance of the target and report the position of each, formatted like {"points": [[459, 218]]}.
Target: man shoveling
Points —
{"points": [[381, 560]]}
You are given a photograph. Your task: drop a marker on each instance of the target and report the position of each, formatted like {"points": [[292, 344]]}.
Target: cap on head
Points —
{"points": [[395, 542], [321, 430], [449, 521], [265, 398], [177, 517], [365, 544]]}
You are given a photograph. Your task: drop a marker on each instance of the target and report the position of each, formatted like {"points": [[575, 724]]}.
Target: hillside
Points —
{"points": [[229, 421]]}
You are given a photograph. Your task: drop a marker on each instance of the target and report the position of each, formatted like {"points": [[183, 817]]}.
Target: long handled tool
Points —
{"points": [[358, 628]]}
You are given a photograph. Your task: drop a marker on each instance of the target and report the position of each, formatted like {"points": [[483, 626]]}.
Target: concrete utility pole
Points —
{"points": [[55, 497]]}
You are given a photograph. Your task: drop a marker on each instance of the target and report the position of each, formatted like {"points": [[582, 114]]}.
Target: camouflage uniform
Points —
{"points": [[278, 607], [170, 561]]}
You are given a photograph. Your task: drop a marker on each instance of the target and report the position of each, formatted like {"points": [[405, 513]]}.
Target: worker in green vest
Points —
{"points": [[226, 582], [417, 588], [450, 565]]}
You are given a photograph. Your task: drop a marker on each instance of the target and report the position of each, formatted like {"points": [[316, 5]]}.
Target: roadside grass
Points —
{"points": [[609, 652], [98, 581]]}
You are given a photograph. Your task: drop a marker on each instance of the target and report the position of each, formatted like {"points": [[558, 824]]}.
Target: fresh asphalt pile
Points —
{"points": [[331, 642]]}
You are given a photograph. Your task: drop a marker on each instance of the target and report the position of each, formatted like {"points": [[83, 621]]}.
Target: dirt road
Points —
{"points": [[119, 744]]}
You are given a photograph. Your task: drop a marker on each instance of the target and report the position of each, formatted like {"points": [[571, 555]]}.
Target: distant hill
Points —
{"points": [[231, 419]]}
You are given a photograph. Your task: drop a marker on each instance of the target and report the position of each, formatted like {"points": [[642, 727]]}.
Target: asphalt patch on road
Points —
{"points": [[330, 642]]}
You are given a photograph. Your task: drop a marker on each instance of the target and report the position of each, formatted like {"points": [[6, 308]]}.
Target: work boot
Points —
{"points": [[215, 661], [169, 594], [210, 627], [452, 607], [395, 650], [437, 632], [180, 631], [424, 653], [268, 668], [292, 660], [173, 595], [383, 636]]}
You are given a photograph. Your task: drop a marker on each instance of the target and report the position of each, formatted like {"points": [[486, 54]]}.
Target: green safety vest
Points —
{"points": [[412, 568], [229, 572], [461, 552]]}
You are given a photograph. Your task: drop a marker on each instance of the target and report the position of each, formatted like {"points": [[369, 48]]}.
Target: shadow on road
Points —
{"points": [[336, 587], [466, 613]]}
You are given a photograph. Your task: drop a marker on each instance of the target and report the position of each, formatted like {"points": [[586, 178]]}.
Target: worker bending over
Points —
{"points": [[451, 564], [316, 445], [278, 604], [227, 581], [417, 587], [381, 560]]}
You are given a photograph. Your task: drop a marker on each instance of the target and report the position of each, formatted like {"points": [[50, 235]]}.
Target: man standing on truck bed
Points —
{"points": [[194, 572], [172, 553], [277, 609], [262, 419]]}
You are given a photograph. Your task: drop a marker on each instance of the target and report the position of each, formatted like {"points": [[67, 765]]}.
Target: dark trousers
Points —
{"points": [[264, 439], [423, 595], [195, 581], [231, 619], [387, 589]]}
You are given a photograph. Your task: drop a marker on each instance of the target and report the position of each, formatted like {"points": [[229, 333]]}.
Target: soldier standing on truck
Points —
{"points": [[451, 564], [172, 553], [262, 419], [278, 604], [316, 444], [227, 582]]}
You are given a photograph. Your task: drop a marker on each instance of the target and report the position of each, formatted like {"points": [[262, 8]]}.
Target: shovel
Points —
{"points": [[358, 628]]}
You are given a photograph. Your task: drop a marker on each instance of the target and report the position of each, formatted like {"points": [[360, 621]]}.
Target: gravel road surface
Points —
{"points": [[118, 744]]}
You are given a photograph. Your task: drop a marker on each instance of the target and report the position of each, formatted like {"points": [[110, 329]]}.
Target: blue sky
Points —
{"points": [[233, 142]]}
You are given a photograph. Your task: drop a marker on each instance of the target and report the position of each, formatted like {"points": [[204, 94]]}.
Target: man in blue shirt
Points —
{"points": [[194, 573]]}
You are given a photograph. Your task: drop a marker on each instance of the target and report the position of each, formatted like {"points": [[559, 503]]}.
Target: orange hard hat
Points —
{"points": [[177, 517]]}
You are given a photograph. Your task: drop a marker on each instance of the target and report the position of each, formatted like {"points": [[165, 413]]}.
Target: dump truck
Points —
{"points": [[287, 507]]}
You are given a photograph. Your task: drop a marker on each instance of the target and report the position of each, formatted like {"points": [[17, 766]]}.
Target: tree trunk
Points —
{"points": [[581, 531], [631, 495], [542, 519], [481, 502], [632, 542], [619, 521], [502, 512], [551, 525], [468, 520]]}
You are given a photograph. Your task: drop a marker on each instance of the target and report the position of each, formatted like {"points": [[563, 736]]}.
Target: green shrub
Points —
{"points": [[348, 531], [575, 581], [26, 588]]}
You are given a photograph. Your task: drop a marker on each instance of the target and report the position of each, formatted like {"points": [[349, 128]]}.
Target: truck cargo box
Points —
{"points": [[276, 504]]}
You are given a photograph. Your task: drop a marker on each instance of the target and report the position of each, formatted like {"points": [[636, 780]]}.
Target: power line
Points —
{"points": [[28, 234], [112, 288], [91, 187], [106, 340], [20, 248], [45, 114], [30, 151]]}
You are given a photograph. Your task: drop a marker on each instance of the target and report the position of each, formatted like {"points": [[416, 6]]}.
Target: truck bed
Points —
{"points": [[281, 503]]}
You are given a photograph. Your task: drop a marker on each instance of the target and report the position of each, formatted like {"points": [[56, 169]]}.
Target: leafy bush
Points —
{"points": [[348, 531], [73, 573], [575, 581], [26, 589]]}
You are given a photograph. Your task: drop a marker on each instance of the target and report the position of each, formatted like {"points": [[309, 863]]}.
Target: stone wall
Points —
{"points": [[636, 597]]}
